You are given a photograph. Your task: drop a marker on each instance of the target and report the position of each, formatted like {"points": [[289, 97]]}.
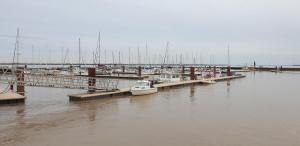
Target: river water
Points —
{"points": [[261, 109]]}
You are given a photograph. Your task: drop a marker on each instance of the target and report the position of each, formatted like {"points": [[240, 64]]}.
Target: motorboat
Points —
{"points": [[211, 81], [143, 87]]}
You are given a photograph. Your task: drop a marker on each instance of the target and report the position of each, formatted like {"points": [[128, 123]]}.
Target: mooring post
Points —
{"points": [[123, 68], [228, 71], [254, 65], [139, 71], [182, 69], [20, 81], [215, 71], [192, 75], [92, 79], [11, 86]]}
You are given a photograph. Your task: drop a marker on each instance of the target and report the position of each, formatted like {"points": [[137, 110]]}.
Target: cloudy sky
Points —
{"points": [[263, 30]]}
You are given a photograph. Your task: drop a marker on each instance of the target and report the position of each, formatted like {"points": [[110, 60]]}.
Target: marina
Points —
{"points": [[149, 73]]}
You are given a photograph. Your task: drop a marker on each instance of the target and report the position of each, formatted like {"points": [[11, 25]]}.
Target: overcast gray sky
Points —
{"points": [[263, 30]]}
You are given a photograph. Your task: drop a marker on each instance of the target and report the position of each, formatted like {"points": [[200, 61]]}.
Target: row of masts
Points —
{"points": [[99, 55]]}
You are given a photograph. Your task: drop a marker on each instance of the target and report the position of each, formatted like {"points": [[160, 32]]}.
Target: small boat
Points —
{"points": [[169, 77], [143, 87], [211, 81]]}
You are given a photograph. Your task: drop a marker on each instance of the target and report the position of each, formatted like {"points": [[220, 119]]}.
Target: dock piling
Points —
{"points": [[192, 73], [215, 71], [92, 80], [139, 71], [228, 71], [20, 81], [123, 68]]}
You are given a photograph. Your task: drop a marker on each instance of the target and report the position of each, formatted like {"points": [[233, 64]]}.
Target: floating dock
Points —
{"points": [[123, 77], [11, 97], [126, 91]]}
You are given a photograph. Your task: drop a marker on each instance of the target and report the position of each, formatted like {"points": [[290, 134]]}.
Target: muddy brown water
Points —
{"points": [[261, 109]]}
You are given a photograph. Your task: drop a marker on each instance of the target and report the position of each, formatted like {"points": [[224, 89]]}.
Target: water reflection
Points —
{"points": [[91, 107], [192, 93], [231, 113], [20, 114]]}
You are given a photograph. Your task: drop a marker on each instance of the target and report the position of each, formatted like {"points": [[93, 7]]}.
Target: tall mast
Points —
{"points": [[166, 53], [99, 48], [32, 50], [146, 53], [104, 55], [62, 55], [119, 57], [139, 61], [79, 51], [181, 58], [228, 53], [113, 57], [16, 50], [129, 55]]}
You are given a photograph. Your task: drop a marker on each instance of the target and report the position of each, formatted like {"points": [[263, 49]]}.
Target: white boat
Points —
{"points": [[143, 88], [211, 82], [169, 77]]}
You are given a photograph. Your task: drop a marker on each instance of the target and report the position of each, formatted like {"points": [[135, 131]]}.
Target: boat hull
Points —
{"points": [[137, 92]]}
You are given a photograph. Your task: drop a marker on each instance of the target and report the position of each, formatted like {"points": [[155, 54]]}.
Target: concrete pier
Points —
{"points": [[11, 97], [123, 77], [126, 91]]}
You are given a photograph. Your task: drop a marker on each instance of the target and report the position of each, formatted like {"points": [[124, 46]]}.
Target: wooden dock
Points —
{"points": [[126, 91], [11, 97]]}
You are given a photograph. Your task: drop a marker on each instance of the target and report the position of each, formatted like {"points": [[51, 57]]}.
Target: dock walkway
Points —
{"points": [[124, 91], [11, 97]]}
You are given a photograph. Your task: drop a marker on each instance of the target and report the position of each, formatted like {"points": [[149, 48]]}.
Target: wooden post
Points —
{"points": [[20, 81], [215, 71], [228, 71], [11, 86], [139, 71], [182, 69], [123, 68], [92, 80], [192, 73]]}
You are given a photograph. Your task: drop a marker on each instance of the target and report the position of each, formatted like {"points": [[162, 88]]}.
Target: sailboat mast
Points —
{"points": [[129, 56], [146, 53], [228, 53], [104, 55], [119, 57], [79, 51], [32, 50], [138, 55], [16, 50], [99, 48], [166, 53]]}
